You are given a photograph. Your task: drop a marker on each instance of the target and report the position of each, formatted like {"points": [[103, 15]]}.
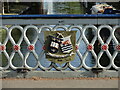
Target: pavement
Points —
{"points": [[60, 83]]}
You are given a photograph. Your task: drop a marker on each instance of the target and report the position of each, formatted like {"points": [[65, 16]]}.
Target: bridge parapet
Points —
{"points": [[104, 30]]}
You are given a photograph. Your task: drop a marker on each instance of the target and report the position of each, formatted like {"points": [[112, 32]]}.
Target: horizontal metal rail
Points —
{"points": [[64, 16], [80, 23]]}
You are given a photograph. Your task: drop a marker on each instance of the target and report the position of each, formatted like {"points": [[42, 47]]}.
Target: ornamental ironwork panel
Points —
{"points": [[97, 46]]}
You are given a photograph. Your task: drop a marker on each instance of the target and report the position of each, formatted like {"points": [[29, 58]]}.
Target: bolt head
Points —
{"points": [[2, 47], [118, 47], [90, 47], [104, 47], [16, 47], [31, 47]]}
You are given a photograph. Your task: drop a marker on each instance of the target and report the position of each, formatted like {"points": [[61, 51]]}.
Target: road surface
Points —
{"points": [[60, 83]]}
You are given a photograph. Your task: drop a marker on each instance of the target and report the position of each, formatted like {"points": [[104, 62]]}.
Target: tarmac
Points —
{"points": [[61, 83]]}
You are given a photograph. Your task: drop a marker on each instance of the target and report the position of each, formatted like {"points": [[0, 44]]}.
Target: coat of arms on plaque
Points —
{"points": [[60, 46]]}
